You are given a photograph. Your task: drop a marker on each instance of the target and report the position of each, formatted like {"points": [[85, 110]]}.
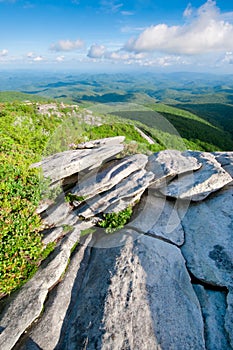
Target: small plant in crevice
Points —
{"points": [[115, 221], [70, 197]]}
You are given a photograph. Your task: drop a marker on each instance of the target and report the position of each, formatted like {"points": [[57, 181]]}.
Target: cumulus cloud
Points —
{"points": [[38, 59], [206, 31], [67, 45], [96, 51], [3, 52]]}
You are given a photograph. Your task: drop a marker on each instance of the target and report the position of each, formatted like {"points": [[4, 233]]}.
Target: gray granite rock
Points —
{"points": [[126, 191], [51, 235], [213, 305], [108, 141], [109, 176], [208, 247], [169, 163], [159, 218], [229, 317], [226, 160], [56, 213], [61, 165], [199, 184], [136, 294]]}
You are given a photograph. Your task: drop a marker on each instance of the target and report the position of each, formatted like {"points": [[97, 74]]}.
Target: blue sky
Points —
{"points": [[115, 35]]}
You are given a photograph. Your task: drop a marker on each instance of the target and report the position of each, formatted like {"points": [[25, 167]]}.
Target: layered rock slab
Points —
{"points": [[110, 176], [62, 165], [199, 184], [125, 193]]}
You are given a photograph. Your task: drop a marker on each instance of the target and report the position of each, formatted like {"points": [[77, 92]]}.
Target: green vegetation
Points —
{"points": [[23, 137], [115, 221]]}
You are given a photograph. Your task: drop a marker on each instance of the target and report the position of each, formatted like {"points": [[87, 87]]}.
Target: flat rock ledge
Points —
{"points": [[162, 282]]}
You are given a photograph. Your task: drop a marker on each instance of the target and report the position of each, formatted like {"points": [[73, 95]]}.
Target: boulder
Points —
{"points": [[208, 247], [167, 164], [199, 184], [130, 296], [61, 165]]}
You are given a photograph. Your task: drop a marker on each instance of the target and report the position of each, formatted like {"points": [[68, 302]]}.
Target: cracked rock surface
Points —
{"points": [[163, 282]]}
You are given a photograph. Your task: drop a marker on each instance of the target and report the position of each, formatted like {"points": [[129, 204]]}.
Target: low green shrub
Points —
{"points": [[115, 221]]}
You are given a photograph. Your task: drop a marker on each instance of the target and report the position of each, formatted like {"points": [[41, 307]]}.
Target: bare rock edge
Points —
{"points": [[163, 282]]}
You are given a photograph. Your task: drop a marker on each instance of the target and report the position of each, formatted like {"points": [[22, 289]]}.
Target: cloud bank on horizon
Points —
{"points": [[200, 38]]}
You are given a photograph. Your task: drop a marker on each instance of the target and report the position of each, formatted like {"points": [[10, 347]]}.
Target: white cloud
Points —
{"points": [[111, 6], [228, 58], [127, 13], [60, 58], [205, 32], [96, 51], [3, 53], [188, 11], [67, 45], [38, 59], [30, 55]]}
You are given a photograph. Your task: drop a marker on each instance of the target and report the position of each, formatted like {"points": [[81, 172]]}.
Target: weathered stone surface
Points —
{"points": [[226, 160], [47, 331], [61, 165], [169, 163], [213, 305], [126, 191], [124, 296], [130, 297], [229, 316], [51, 235], [208, 247], [159, 218], [199, 184], [28, 303], [56, 214], [108, 141], [110, 176]]}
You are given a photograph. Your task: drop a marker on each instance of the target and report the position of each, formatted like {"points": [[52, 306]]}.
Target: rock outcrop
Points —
{"points": [[164, 281]]}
